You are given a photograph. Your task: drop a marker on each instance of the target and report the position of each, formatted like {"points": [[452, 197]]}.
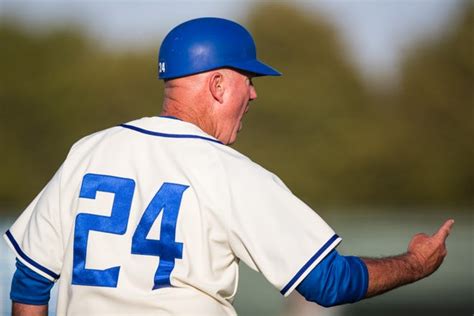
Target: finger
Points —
{"points": [[444, 230]]}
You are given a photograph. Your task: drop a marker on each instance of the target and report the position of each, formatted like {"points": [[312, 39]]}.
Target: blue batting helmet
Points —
{"points": [[204, 44]]}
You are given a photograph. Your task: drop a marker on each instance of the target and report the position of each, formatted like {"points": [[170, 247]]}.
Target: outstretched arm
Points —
{"points": [[423, 257], [339, 279]]}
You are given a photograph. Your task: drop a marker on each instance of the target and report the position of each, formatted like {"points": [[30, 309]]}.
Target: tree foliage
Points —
{"points": [[337, 143], [56, 88], [334, 141]]}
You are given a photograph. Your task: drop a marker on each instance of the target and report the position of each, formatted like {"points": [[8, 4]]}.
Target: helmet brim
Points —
{"points": [[256, 67]]}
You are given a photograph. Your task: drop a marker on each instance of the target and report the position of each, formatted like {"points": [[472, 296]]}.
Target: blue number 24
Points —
{"points": [[166, 200]]}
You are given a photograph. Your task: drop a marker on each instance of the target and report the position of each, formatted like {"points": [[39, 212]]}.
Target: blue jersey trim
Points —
{"points": [[144, 131], [28, 259], [170, 117], [309, 263]]}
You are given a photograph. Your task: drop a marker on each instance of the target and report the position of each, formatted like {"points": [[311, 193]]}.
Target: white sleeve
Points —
{"points": [[273, 231], [35, 236]]}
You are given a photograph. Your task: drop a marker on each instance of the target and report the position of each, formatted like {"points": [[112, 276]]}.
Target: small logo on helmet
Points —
{"points": [[162, 67]]}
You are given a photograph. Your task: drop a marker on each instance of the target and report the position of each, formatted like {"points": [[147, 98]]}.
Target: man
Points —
{"points": [[153, 216]]}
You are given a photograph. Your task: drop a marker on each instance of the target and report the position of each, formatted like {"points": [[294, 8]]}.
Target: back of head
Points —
{"points": [[205, 44]]}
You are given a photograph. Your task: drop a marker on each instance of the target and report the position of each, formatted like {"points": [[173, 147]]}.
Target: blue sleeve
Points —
{"points": [[28, 287], [336, 280]]}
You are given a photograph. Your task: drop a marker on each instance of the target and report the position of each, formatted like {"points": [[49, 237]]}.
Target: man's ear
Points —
{"points": [[216, 86]]}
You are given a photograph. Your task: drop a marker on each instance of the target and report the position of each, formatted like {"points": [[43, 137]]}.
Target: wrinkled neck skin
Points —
{"points": [[188, 99]]}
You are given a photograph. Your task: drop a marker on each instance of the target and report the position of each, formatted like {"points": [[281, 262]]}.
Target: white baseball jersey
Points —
{"points": [[153, 216]]}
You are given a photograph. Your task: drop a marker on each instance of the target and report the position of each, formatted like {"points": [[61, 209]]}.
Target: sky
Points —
{"points": [[375, 33]]}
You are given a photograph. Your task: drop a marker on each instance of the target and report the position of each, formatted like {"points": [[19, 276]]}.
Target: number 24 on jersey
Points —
{"points": [[166, 200]]}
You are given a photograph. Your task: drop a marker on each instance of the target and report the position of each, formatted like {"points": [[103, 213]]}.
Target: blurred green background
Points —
{"points": [[374, 160]]}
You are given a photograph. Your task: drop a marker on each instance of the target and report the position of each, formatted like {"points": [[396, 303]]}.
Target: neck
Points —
{"points": [[188, 99], [196, 114]]}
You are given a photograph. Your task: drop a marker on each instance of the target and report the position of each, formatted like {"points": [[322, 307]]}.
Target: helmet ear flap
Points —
{"points": [[204, 44]]}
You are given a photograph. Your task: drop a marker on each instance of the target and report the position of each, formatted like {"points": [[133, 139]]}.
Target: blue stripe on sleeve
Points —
{"points": [[309, 263], [28, 259], [336, 280], [28, 287]]}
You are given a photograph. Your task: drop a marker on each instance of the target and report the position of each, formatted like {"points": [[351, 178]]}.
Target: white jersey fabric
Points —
{"points": [[231, 209]]}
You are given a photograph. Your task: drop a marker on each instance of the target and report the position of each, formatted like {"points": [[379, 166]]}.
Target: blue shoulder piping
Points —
{"points": [[144, 131]]}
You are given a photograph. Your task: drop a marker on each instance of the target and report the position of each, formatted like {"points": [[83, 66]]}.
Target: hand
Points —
{"points": [[427, 252]]}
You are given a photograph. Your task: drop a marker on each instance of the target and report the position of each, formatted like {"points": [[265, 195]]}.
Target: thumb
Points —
{"points": [[444, 230]]}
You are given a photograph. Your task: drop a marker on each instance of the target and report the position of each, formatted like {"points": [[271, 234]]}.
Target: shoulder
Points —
{"points": [[242, 171], [93, 139], [118, 134]]}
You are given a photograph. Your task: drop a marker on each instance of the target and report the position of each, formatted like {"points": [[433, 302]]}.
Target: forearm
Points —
{"points": [[19, 309], [389, 273]]}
